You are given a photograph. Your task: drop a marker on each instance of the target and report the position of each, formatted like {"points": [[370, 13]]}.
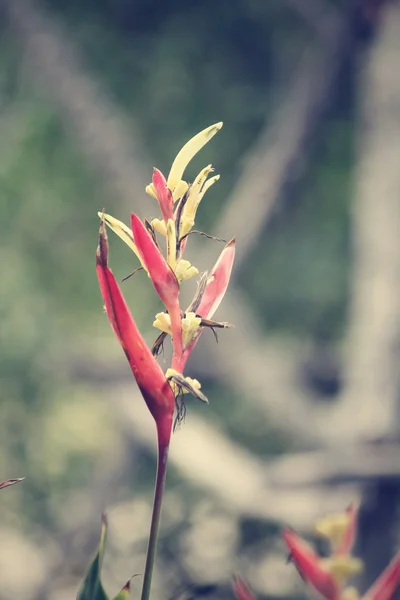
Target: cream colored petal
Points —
{"points": [[180, 190], [190, 328], [122, 231], [186, 225], [189, 150], [151, 191], [195, 195], [159, 226], [171, 244], [184, 270], [163, 322], [207, 185]]}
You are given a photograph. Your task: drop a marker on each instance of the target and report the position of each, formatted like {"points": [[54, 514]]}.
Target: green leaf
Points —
{"points": [[92, 588], [124, 594]]}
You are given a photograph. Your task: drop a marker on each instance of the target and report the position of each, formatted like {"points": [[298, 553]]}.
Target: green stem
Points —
{"points": [[162, 462]]}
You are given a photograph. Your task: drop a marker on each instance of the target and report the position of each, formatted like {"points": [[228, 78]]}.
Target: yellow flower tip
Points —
{"points": [[342, 567], [163, 322], [171, 244], [186, 225], [333, 527], [170, 373], [151, 191], [193, 382], [189, 150], [180, 190], [350, 593], [190, 327], [159, 226], [185, 385], [122, 231], [184, 270]]}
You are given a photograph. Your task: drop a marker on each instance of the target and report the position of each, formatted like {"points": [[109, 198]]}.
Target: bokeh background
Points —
{"points": [[303, 413]]}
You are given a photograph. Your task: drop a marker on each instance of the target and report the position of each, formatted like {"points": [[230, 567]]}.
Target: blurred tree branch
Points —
{"points": [[372, 387], [105, 137], [261, 370]]}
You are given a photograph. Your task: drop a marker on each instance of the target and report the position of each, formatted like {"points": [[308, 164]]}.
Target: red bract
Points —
{"points": [[164, 195], [217, 282], [311, 567], [241, 590], [387, 583], [349, 536], [151, 380], [216, 286], [164, 281], [161, 274]]}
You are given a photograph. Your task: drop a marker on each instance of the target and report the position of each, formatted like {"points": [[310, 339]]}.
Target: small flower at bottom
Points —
{"points": [[311, 567], [190, 326], [241, 589], [339, 529], [185, 385]]}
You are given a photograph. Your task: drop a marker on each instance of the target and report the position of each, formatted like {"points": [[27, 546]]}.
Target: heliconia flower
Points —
{"points": [[149, 376], [241, 590], [311, 567], [387, 583]]}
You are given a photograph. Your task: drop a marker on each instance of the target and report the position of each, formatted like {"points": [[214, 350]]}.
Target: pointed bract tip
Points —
{"points": [[9, 482], [241, 589], [102, 248], [104, 520], [231, 242], [127, 586]]}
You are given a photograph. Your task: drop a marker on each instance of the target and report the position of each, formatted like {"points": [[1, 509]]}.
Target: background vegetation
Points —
{"points": [[92, 95]]}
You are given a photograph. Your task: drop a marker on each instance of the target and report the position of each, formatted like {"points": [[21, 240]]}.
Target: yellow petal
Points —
{"points": [[190, 327], [350, 593], [195, 195], [180, 190], [208, 184], [150, 190], [163, 322], [171, 244], [189, 150], [184, 270], [122, 231], [186, 225], [333, 527], [159, 226], [342, 567], [193, 382]]}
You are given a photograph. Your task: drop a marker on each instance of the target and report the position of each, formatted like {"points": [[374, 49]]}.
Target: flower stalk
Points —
{"points": [[162, 463]]}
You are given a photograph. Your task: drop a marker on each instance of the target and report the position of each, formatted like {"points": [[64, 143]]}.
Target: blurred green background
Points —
{"points": [[92, 95]]}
